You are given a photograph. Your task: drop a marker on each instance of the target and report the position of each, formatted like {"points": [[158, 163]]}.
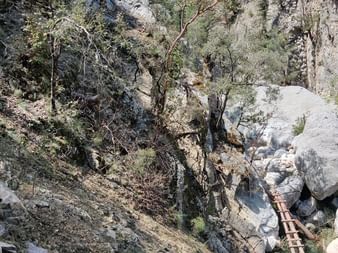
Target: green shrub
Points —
{"points": [[298, 128], [144, 159], [327, 235], [198, 225], [312, 247]]}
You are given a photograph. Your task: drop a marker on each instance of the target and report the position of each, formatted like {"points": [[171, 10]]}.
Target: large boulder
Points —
{"points": [[316, 153], [284, 106]]}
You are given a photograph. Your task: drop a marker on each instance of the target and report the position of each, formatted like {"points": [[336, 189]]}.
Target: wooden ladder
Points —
{"points": [[289, 224]]}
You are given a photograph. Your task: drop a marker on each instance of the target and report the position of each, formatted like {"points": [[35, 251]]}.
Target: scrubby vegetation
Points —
{"points": [[299, 126], [94, 98]]}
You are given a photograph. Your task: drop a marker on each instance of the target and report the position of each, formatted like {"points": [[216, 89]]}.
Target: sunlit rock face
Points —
{"points": [[137, 8], [317, 149], [314, 148]]}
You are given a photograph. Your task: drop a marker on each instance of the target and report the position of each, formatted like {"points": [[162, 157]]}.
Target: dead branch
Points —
{"points": [[6, 47], [182, 135]]}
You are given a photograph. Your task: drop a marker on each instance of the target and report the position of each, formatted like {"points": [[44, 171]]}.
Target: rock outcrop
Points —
{"points": [[315, 146], [235, 191], [310, 28], [137, 8]]}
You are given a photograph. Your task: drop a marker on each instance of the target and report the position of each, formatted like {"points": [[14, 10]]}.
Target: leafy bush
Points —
{"points": [[198, 225], [144, 159], [298, 128]]}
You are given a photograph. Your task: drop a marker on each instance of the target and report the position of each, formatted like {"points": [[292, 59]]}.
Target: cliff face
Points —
{"points": [[310, 27]]}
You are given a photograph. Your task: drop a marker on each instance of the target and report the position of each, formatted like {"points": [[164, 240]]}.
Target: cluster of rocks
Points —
{"points": [[287, 162]]}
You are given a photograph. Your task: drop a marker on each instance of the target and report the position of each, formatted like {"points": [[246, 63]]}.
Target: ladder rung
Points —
{"points": [[292, 232], [278, 202], [294, 239], [296, 246], [288, 220]]}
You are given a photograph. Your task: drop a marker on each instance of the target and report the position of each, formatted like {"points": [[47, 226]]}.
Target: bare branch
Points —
{"points": [[6, 47], [200, 11]]}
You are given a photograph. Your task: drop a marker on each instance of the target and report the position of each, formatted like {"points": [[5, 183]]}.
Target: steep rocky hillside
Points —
{"points": [[168, 126]]}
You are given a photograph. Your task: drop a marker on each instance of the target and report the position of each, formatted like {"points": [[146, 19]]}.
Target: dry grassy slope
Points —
{"points": [[68, 211]]}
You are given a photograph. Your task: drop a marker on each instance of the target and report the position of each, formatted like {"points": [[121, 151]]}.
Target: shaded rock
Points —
{"points": [[7, 196], [219, 236], [336, 223], [334, 202], [32, 248], [39, 204], [3, 229], [7, 248], [307, 207], [264, 152], [216, 245], [318, 218], [273, 166], [274, 178], [291, 189], [246, 230], [127, 240], [279, 153], [110, 234]]}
